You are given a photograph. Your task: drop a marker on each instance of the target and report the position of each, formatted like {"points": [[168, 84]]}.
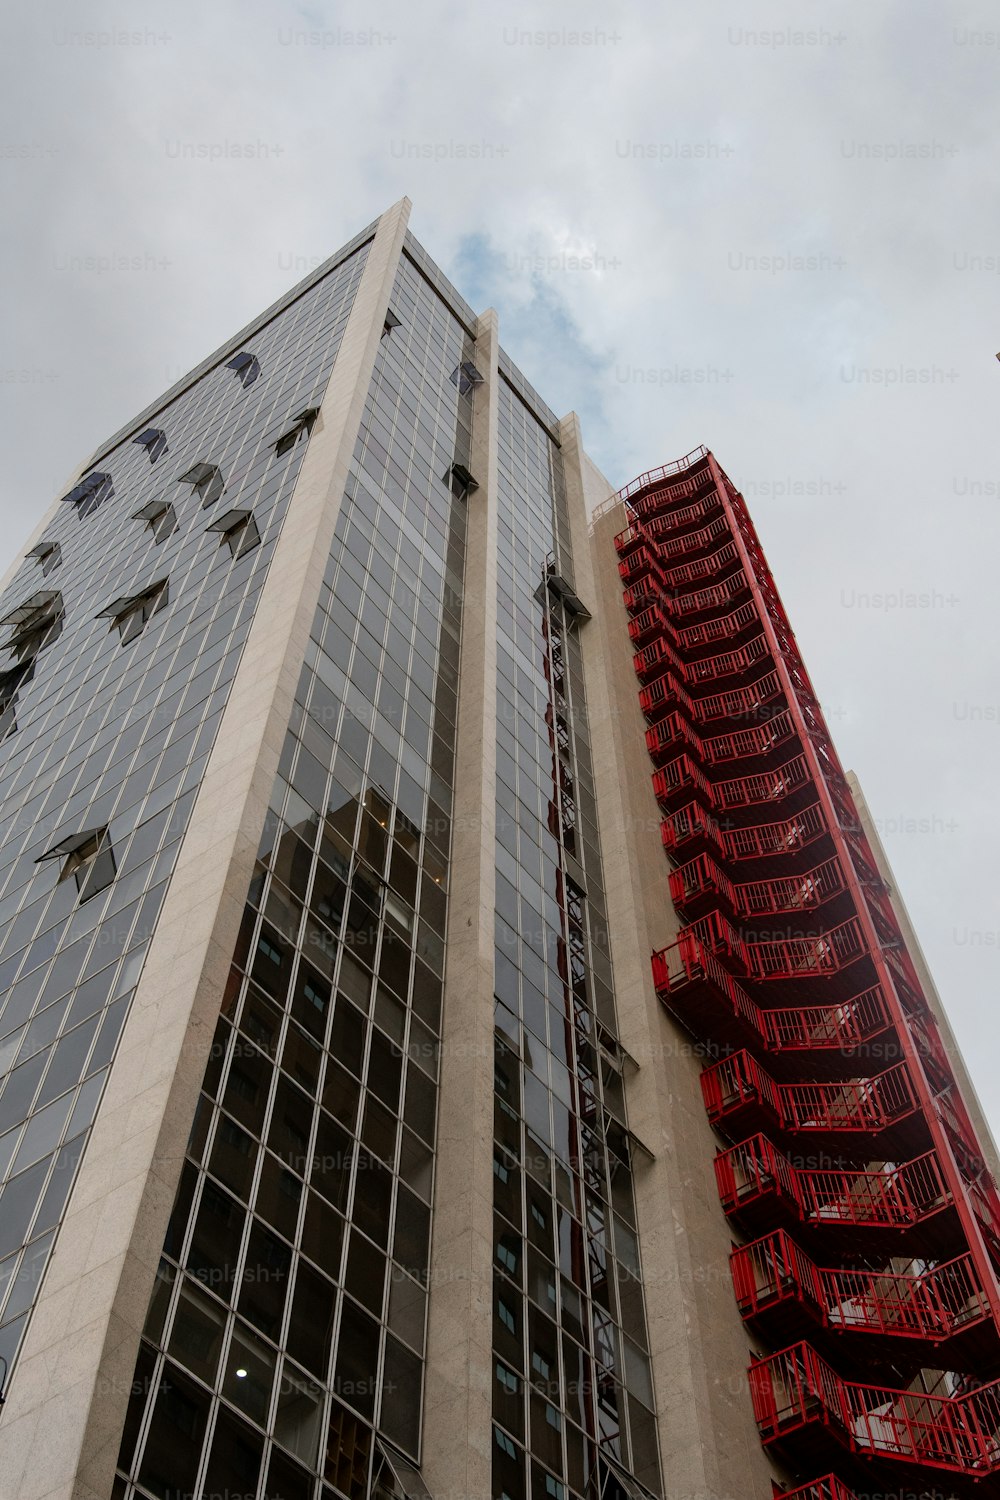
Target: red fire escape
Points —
{"points": [[866, 1224]]}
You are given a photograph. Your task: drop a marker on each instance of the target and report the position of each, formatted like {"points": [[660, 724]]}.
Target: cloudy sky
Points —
{"points": [[770, 228]]}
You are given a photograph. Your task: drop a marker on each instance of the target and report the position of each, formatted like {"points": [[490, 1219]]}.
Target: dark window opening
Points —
{"points": [[391, 322], [462, 482], [301, 425], [466, 377], [206, 480], [90, 492], [154, 440], [34, 624], [615, 1483], [10, 683], [246, 365], [238, 531], [88, 857], [132, 612], [395, 1478], [48, 555], [160, 517]]}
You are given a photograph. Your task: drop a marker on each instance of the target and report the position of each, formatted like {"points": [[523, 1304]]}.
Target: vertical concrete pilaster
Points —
{"points": [[458, 1402]]}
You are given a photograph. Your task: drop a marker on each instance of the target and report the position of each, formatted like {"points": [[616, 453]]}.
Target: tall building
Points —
{"points": [[459, 1036]]}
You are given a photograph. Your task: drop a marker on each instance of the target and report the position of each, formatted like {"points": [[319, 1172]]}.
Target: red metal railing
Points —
{"points": [[897, 1196], [827, 1488], [868, 1104], [767, 839], [739, 703], [701, 876], [791, 892], [768, 786], [655, 476], [826, 953], [659, 653], [742, 743], [842, 1027], [636, 563], [645, 622], [796, 1387], [679, 776], [791, 957], [631, 537], [639, 598], [703, 567], [932, 1303], [687, 823], [739, 791], [711, 597], [693, 541], [689, 637], [687, 515]]}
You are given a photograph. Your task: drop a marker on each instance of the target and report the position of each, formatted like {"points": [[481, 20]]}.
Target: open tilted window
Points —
{"points": [[298, 428], [48, 555], [154, 440], [615, 1483], [131, 613], [88, 857], [11, 682], [237, 530], [391, 322], [462, 482], [206, 480], [34, 624], [160, 517], [395, 1478], [246, 365], [466, 377], [90, 492]]}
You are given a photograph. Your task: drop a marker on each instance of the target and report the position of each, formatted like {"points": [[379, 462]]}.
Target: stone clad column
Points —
{"points": [[458, 1401]]}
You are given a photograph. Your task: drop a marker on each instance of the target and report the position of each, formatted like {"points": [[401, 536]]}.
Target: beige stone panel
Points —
{"points": [[458, 1401], [709, 1447], [76, 1368]]}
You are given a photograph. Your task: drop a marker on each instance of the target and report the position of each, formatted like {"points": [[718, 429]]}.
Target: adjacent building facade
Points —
{"points": [[458, 1036]]}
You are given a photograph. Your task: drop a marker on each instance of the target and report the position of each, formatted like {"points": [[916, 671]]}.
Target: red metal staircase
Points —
{"points": [[849, 1163]]}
